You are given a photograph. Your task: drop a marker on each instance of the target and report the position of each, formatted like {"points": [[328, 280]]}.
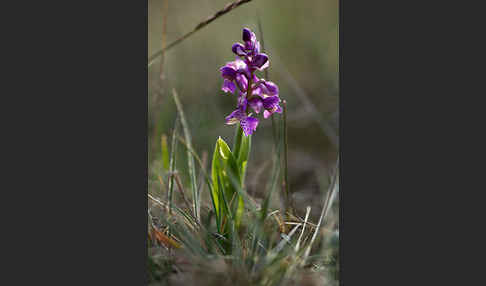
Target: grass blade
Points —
{"points": [[206, 177], [165, 152], [190, 158], [286, 150], [172, 164], [201, 180], [297, 246]]}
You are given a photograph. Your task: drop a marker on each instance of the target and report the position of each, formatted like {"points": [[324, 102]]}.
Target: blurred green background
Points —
{"points": [[301, 39]]}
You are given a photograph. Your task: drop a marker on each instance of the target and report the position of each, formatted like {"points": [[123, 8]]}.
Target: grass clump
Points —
{"points": [[225, 236]]}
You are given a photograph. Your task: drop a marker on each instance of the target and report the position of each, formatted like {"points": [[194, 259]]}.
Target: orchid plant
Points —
{"points": [[252, 248], [253, 93]]}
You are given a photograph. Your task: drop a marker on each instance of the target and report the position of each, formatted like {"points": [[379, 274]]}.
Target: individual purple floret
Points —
{"points": [[251, 51], [257, 93], [236, 71], [247, 123]]}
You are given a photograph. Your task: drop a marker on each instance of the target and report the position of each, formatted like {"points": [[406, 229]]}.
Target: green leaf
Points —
{"points": [[226, 153], [243, 156], [237, 142], [224, 165], [215, 170]]}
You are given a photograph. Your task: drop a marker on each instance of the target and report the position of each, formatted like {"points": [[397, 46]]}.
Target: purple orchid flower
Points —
{"points": [[256, 93], [265, 94], [250, 51], [235, 72], [261, 90], [271, 106], [247, 123]]}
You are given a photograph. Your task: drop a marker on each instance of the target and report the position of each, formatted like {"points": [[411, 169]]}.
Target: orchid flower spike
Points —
{"points": [[257, 93]]}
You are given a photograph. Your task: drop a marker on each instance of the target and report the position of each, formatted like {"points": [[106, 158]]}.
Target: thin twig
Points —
{"points": [[226, 9]]}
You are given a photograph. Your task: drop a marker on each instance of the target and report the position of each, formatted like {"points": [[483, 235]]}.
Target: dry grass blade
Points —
{"points": [[278, 218], [165, 240], [226, 9], [325, 208], [162, 184], [285, 239], [297, 246], [187, 219], [181, 190], [201, 182]]}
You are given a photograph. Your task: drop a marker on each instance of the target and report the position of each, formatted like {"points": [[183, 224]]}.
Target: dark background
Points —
{"points": [[88, 192]]}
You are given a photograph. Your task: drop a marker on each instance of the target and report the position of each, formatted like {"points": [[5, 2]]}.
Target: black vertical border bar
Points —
{"points": [[145, 135], [86, 153]]}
